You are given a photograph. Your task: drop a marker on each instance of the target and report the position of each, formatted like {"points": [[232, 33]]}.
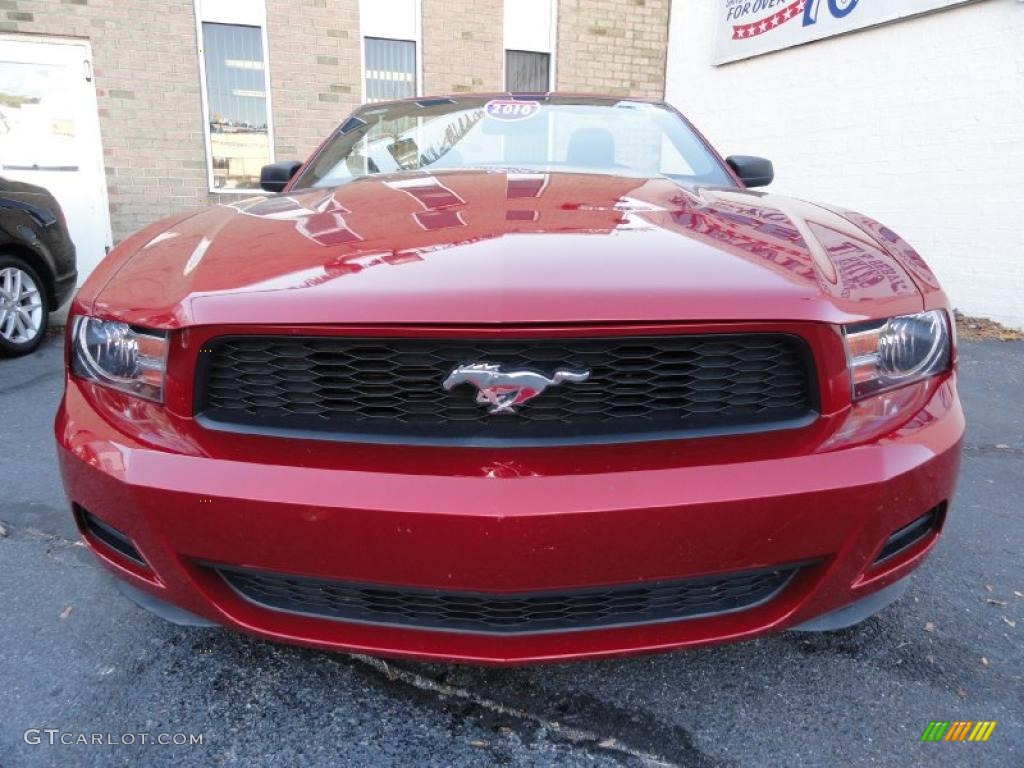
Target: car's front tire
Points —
{"points": [[24, 315]]}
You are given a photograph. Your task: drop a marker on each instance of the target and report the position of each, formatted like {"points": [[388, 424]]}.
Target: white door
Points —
{"points": [[50, 135]]}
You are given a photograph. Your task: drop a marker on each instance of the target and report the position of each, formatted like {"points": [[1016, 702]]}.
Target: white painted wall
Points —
{"points": [[529, 25], [252, 13], [390, 19], [919, 124]]}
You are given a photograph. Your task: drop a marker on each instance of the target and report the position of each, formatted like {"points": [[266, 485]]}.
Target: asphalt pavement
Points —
{"points": [[76, 656]]}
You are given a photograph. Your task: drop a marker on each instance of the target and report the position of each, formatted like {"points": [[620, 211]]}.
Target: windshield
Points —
{"points": [[582, 135]]}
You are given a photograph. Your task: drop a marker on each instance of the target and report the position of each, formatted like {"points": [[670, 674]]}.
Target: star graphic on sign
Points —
{"points": [[763, 26]]}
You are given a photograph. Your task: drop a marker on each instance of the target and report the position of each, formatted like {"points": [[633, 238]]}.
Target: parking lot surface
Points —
{"points": [[76, 656]]}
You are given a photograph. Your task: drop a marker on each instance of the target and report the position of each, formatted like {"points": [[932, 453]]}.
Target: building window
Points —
{"points": [[236, 103], [529, 37], [527, 71], [390, 67]]}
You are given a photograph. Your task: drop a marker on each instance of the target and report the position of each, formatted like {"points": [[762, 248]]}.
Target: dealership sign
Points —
{"points": [[748, 28]]}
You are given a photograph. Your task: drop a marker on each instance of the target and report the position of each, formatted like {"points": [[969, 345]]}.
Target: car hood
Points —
{"points": [[489, 247]]}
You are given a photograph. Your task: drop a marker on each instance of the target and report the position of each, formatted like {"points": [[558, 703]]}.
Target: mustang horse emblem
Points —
{"points": [[504, 390]]}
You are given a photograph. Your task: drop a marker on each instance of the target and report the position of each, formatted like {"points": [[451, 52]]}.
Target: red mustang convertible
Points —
{"points": [[512, 378]]}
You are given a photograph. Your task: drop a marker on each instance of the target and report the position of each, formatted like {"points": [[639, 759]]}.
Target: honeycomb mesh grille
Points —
{"points": [[639, 603], [389, 390]]}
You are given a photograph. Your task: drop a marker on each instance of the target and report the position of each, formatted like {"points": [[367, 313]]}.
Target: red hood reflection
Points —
{"points": [[482, 247]]}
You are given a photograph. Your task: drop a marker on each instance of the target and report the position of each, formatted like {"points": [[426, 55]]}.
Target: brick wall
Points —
{"points": [[146, 70], [612, 46], [462, 46], [315, 70], [917, 124], [147, 89]]}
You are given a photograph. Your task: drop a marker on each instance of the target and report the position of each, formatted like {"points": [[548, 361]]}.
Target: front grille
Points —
{"points": [[389, 389], [640, 603]]}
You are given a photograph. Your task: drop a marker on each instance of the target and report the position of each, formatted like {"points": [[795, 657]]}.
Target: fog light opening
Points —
{"points": [[910, 534], [108, 536]]}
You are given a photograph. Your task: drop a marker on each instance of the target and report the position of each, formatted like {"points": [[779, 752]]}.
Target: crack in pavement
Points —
{"points": [[681, 751], [51, 538], [1000, 450], [56, 547]]}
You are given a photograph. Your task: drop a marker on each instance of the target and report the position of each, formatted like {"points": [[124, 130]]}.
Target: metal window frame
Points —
{"points": [[241, 19], [418, 90], [507, 51], [553, 66], [417, 40], [552, 51]]}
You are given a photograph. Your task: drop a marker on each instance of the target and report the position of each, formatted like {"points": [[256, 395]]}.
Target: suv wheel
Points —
{"points": [[24, 315]]}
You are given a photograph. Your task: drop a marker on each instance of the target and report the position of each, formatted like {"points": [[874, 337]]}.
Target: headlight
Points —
{"points": [[119, 356], [885, 354]]}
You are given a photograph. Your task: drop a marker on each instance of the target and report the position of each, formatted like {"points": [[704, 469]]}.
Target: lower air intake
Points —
{"points": [[531, 612]]}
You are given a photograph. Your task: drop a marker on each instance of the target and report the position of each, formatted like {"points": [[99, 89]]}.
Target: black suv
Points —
{"points": [[37, 264]]}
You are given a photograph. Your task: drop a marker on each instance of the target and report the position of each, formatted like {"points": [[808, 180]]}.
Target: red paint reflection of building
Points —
{"points": [[388, 221], [863, 268], [397, 222], [907, 256]]}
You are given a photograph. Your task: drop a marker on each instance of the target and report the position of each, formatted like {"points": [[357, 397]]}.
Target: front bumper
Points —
{"points": [[504, 530]]}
